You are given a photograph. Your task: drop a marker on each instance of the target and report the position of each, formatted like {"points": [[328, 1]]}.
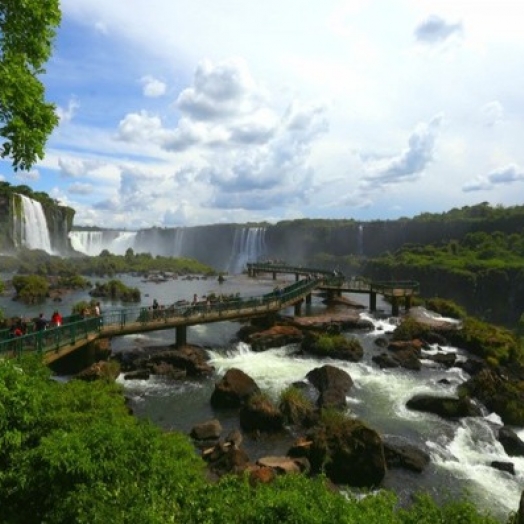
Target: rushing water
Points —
{"points": [[460, 451]]}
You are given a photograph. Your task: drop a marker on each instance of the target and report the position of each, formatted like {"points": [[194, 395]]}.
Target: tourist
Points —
{"points": [[155, 304], [40, 323], [97, 309], [56, 319]]}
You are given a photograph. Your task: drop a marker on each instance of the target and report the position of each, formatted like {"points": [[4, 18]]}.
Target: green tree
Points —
{"points": [[27, 32]]}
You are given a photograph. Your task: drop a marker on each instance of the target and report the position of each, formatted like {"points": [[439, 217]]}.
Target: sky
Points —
{"points": [[176, 113]]}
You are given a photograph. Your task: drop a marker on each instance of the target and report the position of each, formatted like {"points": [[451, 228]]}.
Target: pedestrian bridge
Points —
{"points": [[77, 332]]}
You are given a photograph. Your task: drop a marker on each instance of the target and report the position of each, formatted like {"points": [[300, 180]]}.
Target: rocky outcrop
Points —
{"points": [[511, 442], [333, 384], [233, 389], [500, 392], [405, 456], [275, 336], [186, 362], [445, 407], [405, 354], [347, 451], [209, 430], [332, 346]]}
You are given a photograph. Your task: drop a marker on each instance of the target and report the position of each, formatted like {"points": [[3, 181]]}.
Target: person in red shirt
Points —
{"points": [[56, 319]]}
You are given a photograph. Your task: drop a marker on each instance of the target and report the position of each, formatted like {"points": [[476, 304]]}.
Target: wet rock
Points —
{"points": [[445, 407], [282, 465], [405, 456], [275, 336], [511, 442], [333, 385], [508, 467], [209, 430], [141, 374], [233, 389]]}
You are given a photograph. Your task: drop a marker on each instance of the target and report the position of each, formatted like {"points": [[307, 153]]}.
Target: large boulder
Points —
{"points": [[209, 430], [405, 456], [233, 389], [511, 442], [190, 359], [346, 450], [333, 385], [407, 353], [445, 407], [275, 336]]}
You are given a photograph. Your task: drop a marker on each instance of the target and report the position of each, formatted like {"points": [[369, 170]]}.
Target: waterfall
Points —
{"points": [[178, 243], [92, 243], [360, 240], [32, 229], [248, 246]]}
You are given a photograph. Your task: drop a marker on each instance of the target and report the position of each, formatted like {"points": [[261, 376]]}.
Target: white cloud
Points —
{"points": [[435, 30], [502, 176], [410, 164], [65, 115], [28, 176], [152, 87], [492, 113], [80, 189]]}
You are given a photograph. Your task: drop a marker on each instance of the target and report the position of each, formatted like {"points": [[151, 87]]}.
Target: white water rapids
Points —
{"points": [[460, 451]]}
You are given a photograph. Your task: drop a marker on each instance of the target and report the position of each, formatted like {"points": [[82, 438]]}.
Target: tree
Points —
{"points": [[27, 32]]}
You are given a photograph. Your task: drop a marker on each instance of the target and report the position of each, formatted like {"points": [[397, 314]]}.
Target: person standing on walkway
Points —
{"points": [[40, 323]]}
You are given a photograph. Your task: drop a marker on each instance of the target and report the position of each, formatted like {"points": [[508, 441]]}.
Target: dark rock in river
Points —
{"points": [[446, 407], [233, 389], [511, 442], [333, 385]]}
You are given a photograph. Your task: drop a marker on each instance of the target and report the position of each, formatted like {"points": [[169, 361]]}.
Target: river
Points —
{"points": [[460, 451]]}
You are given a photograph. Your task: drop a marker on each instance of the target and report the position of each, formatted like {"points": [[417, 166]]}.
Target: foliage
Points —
{"points": [[116, 290], [70, 452], [446, 308], [27, 31], [73, 282], [30, 288], [105, 264], [334, 345], [498, 344], [296, 407]]}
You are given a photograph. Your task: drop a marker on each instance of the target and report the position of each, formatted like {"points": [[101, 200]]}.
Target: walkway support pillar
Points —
{"points": [[274, 275], [308, 298], [407, 302], [372, 301], [181, 336], [394, 306], [298, 308], [297, 277]]}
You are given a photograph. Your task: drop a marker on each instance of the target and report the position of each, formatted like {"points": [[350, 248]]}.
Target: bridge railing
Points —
{"points": [[69, 333], [51, 339]]}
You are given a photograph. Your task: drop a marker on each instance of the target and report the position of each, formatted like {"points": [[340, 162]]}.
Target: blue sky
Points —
{"points": [[184, 113]]}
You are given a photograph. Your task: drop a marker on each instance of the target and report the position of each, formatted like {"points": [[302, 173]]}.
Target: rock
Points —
{"points": [[508, 467], [226, 459], [511, 442], [283, 464], [209, 430], [407, 354], [99, 370], [259, 414], [519, 517], [333, 385], [444, 359], [339, 347], [234, 438], [385, 361], [499, 392], [405, 456], [261, 475], [446, 407], [233, 389], [347, 451], [275, 336], [190, 359]]}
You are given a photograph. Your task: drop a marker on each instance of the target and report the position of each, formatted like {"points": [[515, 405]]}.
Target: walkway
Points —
{"points": [[76, 332]]}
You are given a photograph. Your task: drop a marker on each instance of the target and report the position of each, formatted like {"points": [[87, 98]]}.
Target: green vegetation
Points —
{"points": [[27, 32], [446, 308], [30, 288], [71, 452], [332, 345], [106, 264], [116, 290]]}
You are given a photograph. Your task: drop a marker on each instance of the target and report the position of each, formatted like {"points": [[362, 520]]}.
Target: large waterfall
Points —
{"points": [[92, 243], [30, 226], [226, 248], [248, 246]]}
